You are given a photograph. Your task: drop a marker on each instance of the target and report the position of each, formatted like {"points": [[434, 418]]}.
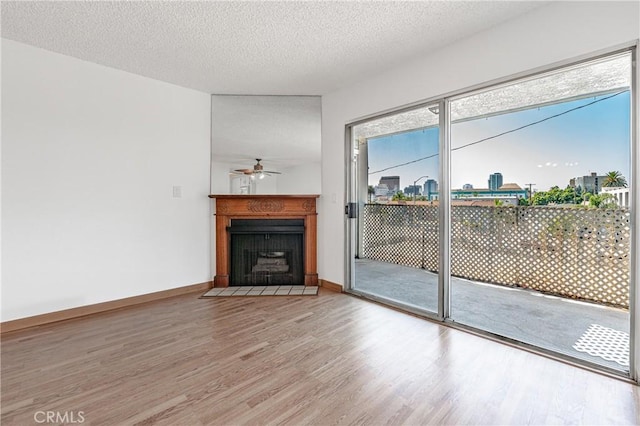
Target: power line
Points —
{"points": [[503, 133], [404, 164], [539, 121]]}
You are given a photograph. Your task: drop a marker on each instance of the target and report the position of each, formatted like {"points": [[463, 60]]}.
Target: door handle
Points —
{"points": [[351, 210]]}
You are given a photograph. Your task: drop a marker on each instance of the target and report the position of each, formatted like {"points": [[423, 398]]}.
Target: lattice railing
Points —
{"points": [[571, 252]]}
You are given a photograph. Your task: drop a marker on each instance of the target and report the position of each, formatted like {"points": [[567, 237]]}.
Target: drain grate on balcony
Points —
{"points": [[606, 343]]}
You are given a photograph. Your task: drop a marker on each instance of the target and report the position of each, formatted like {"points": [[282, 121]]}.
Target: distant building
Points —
{"points": [[495, 181], [467, 186], [430, 189], [392, 182], [412, 190], [591, 183], [509, 193], [508, 187], [621, 195], [381, 190]]}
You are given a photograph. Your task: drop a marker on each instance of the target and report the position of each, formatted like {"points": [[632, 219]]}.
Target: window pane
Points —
{"points": [[540, 213], [397, 257]]}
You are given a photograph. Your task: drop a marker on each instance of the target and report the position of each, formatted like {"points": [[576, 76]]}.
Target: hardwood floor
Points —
{"points": [[331, 359]]}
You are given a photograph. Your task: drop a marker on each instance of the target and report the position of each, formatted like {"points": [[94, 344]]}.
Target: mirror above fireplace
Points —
{"points": [[283, 131]]}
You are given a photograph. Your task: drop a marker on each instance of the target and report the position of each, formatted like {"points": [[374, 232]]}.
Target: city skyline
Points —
{"points": [[591, 139]]}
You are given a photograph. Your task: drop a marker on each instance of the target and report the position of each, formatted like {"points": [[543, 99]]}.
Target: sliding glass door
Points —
{"points": [[540, 241], [506, 210], [395, 162]]}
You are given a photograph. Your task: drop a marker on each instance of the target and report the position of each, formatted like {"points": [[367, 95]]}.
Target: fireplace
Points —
{"points": [[265, 240], [266, 252]]}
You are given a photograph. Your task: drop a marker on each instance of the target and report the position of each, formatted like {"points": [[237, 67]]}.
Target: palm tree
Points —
{"points": [[370, 191], [614, 179], [399, 196]]}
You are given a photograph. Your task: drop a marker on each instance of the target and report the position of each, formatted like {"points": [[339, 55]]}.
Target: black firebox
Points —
{"points": [[267, 252]]}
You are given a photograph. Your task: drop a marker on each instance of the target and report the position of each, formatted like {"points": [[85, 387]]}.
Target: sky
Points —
{"points": [[595, 138]]}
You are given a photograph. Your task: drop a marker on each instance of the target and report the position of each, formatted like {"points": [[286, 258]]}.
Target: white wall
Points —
{"points": [[550, 34], [220, 182], [267, 185], [90, 156], [303, 179]]}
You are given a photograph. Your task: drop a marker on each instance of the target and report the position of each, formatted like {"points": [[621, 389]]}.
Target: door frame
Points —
{"points": [[351, 226]]}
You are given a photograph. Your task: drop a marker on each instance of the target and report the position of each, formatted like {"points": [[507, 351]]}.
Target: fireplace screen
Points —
{"points": [[267, 252]]}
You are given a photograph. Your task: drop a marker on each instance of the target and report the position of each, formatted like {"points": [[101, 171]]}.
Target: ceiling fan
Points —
{"points": [[258, 170]]}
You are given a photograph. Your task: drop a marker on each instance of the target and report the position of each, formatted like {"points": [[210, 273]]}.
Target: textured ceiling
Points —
{"points": [[261, 47]]}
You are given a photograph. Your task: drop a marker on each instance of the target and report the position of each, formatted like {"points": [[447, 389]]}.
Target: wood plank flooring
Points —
{"points": [[325, 360]]}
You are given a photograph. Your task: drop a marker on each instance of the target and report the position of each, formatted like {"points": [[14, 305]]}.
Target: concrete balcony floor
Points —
{"points": [[582, 330]]}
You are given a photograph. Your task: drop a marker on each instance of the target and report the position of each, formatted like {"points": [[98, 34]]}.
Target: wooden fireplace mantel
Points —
{"points": [[258, 206]]}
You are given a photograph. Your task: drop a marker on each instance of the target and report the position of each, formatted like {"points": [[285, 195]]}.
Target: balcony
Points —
{"points": [[553, 277]]}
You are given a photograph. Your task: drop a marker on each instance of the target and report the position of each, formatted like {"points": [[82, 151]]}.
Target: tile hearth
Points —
{"points": [[283, 290]]}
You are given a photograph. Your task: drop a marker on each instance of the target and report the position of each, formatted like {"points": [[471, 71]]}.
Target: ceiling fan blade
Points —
{"points": [[245, 171], [257, 170]]}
